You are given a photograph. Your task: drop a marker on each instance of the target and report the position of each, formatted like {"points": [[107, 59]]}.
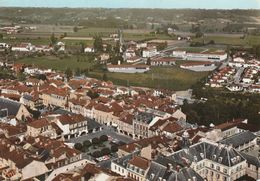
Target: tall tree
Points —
{"points": [[68, 73], [98, 44], [53, 39]]}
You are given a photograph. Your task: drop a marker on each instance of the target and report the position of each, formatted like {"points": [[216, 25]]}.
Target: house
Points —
{"points": [[89, 49], [200, 56], [143, 120], [72, 125], [55, 97], [31, 100], [131, 166], [43, 127], [243, 141], [133, 59], [149, 52], [212, 161], [23, 47], [163, 61], [13, 109]]}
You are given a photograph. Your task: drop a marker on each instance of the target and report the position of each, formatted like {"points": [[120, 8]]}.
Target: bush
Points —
{"points": [[105, 151], [78, 146], [87, 143], [103, 138], [114, 148], [95, 141]]}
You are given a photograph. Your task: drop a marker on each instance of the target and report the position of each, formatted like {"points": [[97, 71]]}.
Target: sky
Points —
{"points": [[202, 4]]}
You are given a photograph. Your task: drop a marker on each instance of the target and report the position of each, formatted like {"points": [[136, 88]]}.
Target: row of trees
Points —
{"points": [[222, 106], [95, 141]]}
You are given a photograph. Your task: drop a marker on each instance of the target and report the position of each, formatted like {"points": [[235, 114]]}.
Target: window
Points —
{"points": [[218, 168], [212, 165], [225, 170]]}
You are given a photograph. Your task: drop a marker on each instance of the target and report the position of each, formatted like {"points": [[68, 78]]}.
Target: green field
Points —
{"points": [[173, 78], [56, 63], [248, 41], [158, 77], [143, 36], [90, 32]]}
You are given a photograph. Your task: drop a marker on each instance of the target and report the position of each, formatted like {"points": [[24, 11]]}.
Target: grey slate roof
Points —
{"points": [[251, 159], [210, 151], [239, 139], [91, 124], [158, 170], [12, 106]]}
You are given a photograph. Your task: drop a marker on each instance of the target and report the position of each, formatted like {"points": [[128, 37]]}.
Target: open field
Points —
{"points": [[158, 77], [231, 40], [172, 78], [56, 63]]}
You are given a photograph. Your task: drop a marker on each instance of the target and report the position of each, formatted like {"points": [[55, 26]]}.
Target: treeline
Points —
{"points": [[222, 106]]}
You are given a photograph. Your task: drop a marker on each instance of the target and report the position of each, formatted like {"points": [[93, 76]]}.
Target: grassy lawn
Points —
{"points": [[250, 40], [56, 63], [143, 36], [159, 77]]}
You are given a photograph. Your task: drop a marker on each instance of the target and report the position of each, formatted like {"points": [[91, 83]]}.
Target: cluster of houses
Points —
{"points": [[241, 74], [227, 151], [29, 47], [39, 117]]}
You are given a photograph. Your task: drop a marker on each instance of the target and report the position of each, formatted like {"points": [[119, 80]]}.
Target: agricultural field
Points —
{"points": [[57, 63], [232, 40]]}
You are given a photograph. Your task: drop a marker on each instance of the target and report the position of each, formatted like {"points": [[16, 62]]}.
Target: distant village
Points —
{"points": [[55, 127]]}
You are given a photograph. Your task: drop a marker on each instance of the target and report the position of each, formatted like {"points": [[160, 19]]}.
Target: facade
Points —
{"points": [[149, 52], [163, 61], [128, 68], [205, 56], [13, 108]]}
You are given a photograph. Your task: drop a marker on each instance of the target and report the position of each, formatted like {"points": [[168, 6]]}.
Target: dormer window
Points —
{"points": [[220, 159], [195, 158]]}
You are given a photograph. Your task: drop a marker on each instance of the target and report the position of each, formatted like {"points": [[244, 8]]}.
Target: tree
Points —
{"points": [[104, 77], [114, 148], [68, 73], [96, 154], [103, 138], [82, 47], [148, 62], [117, 47], [199, 34], [42, 77], [1, 36], [77, 71], [256, 50], [78, 146], [53, 39], [95, 141], [87, 143], [98, 44], [75, 29], [211, 42], [105, 151], [92, 95], [21, 76]]}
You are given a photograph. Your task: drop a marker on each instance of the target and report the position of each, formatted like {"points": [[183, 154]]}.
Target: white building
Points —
{"points": [[128, 68], [149, 52], [203, 56]]}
